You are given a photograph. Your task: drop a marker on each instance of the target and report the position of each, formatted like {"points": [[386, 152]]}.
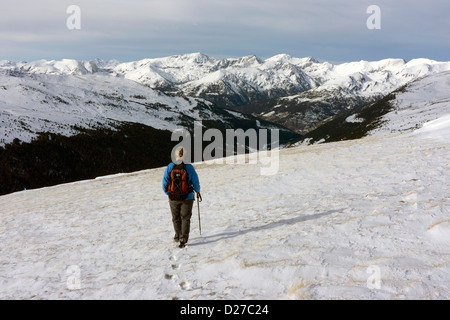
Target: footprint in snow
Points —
{"points": [[170, 276], [184, 285], [173, 267]]}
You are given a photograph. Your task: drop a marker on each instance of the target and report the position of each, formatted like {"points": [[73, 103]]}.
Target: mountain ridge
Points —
{"points": [[60, 115], [406, 109], [179, 70], [298, 93]]}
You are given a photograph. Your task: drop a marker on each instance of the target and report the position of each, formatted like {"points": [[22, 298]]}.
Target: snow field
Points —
{"points": [[357, 219], [36, 103]]}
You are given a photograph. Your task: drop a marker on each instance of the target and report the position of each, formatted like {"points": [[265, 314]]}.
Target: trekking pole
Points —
{"points": [[199, 199]]}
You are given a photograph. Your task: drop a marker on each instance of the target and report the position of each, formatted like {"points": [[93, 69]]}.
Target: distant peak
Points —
{"points": [[280, 57], [284, 57], [196, 57], [252, 58], [312, 59], [419, 61]]}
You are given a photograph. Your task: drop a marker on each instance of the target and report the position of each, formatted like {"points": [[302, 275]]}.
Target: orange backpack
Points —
{"points": [[179, 187]]}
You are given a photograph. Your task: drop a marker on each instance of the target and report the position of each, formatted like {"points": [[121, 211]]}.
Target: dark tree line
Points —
{"points": [[54, 159]]}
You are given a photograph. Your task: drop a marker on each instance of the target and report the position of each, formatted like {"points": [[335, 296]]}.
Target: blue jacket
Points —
{"points": [[193, 179]]}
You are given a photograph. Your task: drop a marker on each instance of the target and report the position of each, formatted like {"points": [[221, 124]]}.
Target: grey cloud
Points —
{"points": [[327, 29]]}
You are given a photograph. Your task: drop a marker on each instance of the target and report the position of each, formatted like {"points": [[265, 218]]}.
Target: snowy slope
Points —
{"points": [[341, 88], [31, 103], [421, 101], [302, 92], [361, 219], [404, 110]]}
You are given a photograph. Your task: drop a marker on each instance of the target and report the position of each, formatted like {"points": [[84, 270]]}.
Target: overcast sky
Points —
{"points": [[332, 30]]}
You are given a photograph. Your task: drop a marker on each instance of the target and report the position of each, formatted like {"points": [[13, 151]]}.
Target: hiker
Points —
{"points": [[179, 183]]}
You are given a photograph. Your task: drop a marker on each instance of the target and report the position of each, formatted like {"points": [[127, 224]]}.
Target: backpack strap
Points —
{"points": [[180, 192]]}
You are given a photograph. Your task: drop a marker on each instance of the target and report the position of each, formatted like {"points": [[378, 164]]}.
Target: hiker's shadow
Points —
{"points": [[275, 224]]}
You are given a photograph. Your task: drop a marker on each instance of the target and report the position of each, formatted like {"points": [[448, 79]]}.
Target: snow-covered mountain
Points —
{"points": [[226, 82], [341, 88], [297, 93], [74, 95], [405, 109], [68, 120], [199, 75], [143, 101], [55, 67]]}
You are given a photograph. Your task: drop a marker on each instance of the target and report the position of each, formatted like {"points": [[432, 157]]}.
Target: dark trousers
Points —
{"points": [[181, 218]]}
